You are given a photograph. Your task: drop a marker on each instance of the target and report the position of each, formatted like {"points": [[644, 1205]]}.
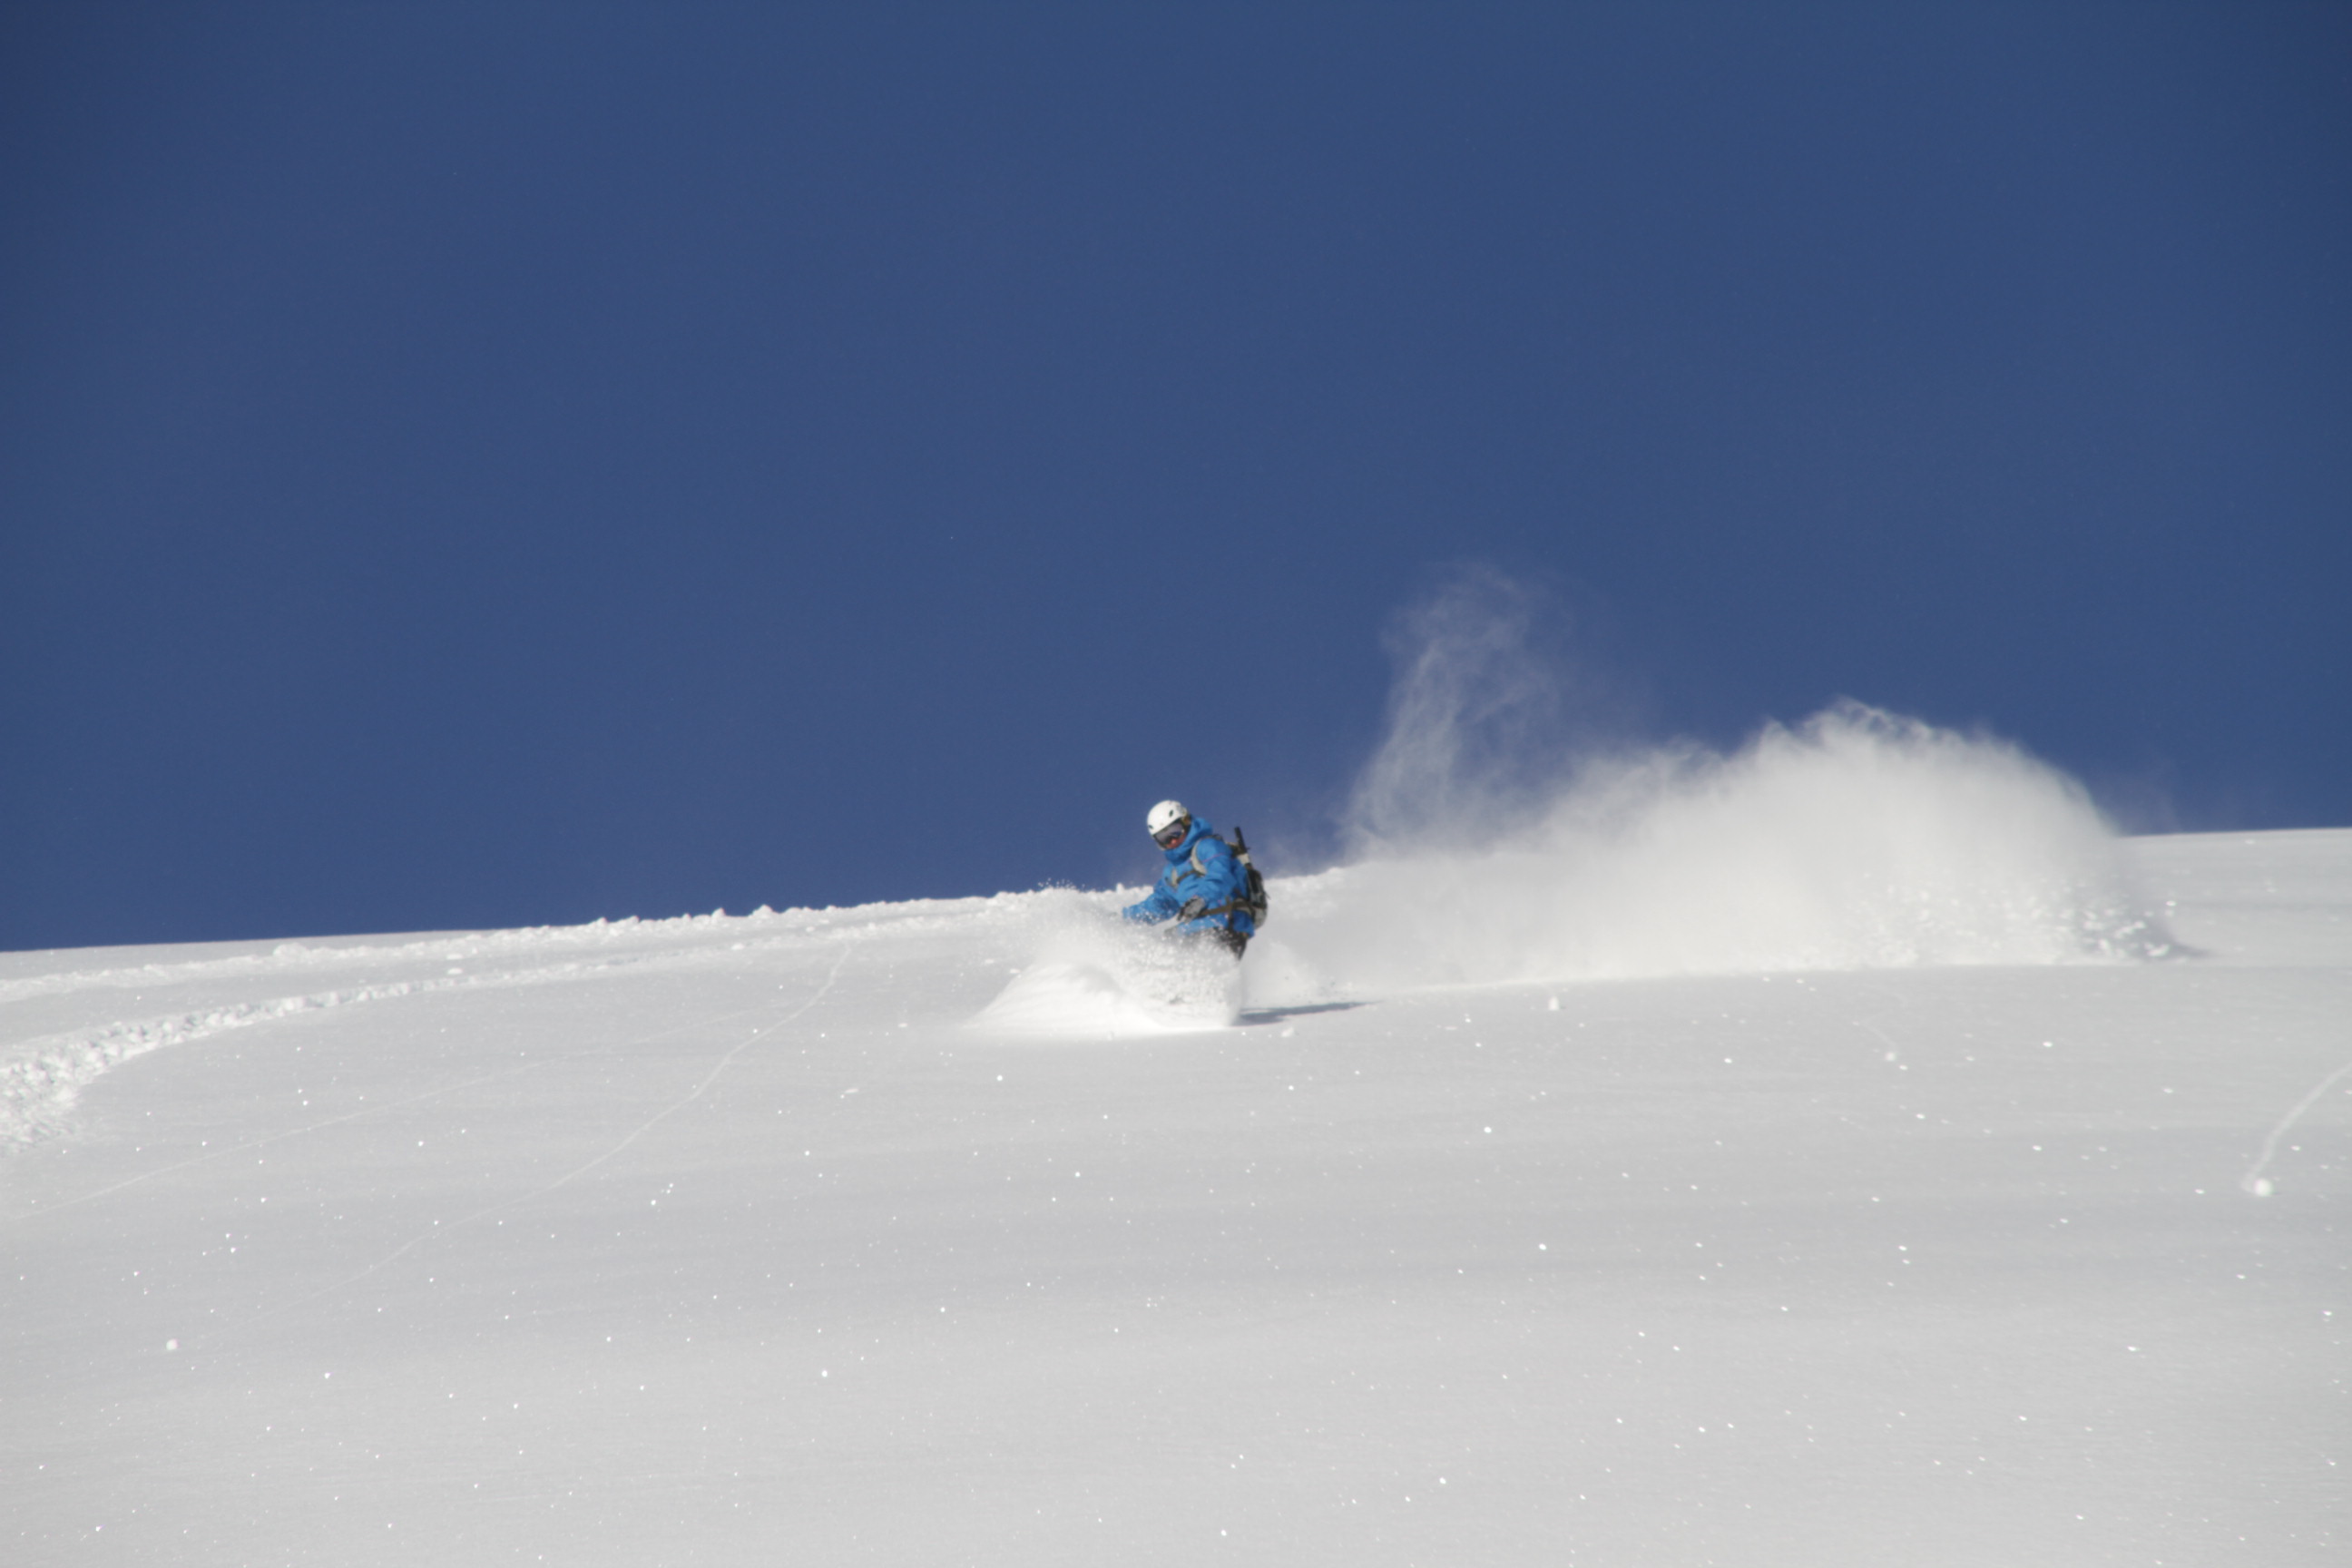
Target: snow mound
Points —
{"points": [[1061, 997]]}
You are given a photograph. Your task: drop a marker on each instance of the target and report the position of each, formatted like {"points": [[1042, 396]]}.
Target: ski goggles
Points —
{"points": [[1174, 834]]}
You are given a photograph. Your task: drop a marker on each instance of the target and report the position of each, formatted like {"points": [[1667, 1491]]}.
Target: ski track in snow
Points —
{"points": [[710, 1077], [292, 1132], [42, 1078], [471, 945], [437, 1229], [2254, 1180], [38, 1088], [40, 1085]]}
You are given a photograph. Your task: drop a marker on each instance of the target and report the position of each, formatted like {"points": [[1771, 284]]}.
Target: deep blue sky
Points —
{"points": [[488, 463]]}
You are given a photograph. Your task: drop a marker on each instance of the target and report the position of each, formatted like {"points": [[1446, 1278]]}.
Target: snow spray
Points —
{"points": [[1089, 975], [1490, 844]]}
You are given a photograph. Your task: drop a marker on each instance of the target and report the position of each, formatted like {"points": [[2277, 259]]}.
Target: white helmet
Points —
{"points": [[1168, 813]]}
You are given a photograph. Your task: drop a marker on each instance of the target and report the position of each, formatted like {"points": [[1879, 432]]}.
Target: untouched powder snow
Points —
{"points": [[1842, 1153]]}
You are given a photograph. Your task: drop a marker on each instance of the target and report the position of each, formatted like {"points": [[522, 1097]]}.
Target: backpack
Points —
{"points": [[1252, 900]]}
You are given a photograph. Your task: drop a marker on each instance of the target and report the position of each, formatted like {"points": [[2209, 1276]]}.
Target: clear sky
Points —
{"points": [[488, 464]]}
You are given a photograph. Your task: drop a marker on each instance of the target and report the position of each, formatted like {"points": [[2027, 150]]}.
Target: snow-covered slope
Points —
{"points": [[2003, 1227]]}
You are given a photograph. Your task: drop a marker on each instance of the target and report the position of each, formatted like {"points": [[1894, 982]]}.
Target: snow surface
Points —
{"points": [[1863, 1192]]}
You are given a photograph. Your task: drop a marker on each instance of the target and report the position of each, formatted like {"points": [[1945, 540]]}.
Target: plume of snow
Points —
{"points": [[1478, 720], [1489, 849]]}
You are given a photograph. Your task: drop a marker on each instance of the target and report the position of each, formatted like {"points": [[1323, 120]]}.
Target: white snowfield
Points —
{"points": [[1711, 1195]]}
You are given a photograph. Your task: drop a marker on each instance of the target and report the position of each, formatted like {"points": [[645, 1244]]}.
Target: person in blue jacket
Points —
{"points": [[1204, 888]]}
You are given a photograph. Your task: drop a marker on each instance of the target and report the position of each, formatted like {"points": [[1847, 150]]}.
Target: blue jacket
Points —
{"points": [[1201, 867]]}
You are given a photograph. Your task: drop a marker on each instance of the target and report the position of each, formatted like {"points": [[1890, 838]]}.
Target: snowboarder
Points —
{"points": [[1207, 887]]}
